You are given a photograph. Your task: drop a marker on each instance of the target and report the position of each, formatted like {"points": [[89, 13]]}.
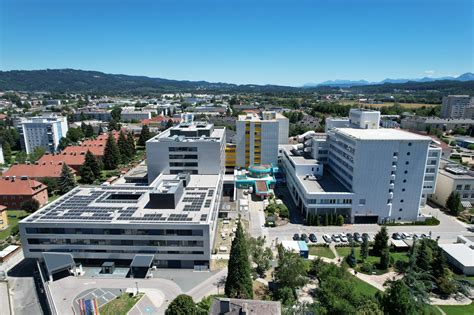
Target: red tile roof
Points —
{"points": [[22, 187], [2, 208], [35, 171], [72, 159]]}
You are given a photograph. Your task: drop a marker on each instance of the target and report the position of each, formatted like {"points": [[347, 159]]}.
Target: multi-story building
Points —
{"points": [[14, 191], [453, 177], [424, 123], [190, 147], [366, 175], [134, 115], [454, 106], [44, 132], [258, 137], [172, 222]]}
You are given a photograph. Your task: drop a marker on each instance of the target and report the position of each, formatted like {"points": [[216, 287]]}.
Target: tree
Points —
{"points": [[89, 132], [124, 148], [64, 142], [443, 277], [340, 220], [114, 125], [364, 249], [182, 305], [169, 124], [91, 161], [21, 157], [398, 300], [30, 205], [111, 157], [326, 219], [51, 183], [7, 152], [66, 180], [75, 134], [239, 282], [131, 143], [380, 241], [384, 262], [115, 113], [351, 259], [261, 255], [453, 203], [87, 175], [425, 255], [37, 153], [286, 295], [291, 270], [145, 135]]}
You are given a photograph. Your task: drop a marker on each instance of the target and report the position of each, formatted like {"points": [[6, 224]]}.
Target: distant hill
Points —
{"points": [[349, 83], [70, 80]]}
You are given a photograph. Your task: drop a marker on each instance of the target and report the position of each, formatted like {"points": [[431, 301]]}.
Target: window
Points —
{"points": [[467, 187], [407, 162], [458, 187], [406, 172], [465, 195], [361, 202], [433, 162], [408, 153], [399, 218], [429, 178], [403, 189], [409, 144], [472, 195], [400, 209], [404, 180], [395, 153], [402, 201]]}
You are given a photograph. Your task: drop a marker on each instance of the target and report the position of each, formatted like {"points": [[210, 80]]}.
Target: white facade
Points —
{"points": [[454, 106], [134, 115], [42, 132], [358, 118], [370, 175], [257, 138], [195, 148], [453, 177], [2, 159]]}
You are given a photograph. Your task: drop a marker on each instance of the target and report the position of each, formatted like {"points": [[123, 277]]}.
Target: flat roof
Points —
{"points": [[381, 134], [461, 252], [130, 204], [327, 183]]}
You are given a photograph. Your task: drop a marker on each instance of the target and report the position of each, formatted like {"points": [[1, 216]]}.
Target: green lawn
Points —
{"points": [[121, 305], [321, 251], [458, 309], [364, 287], [374, 260], [13, 218]]}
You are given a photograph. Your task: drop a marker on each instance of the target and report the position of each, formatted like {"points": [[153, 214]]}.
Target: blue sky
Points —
{"points": [[278, 42]]}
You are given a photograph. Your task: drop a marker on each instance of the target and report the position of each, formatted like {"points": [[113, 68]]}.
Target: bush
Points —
{"points": [[30, 205], [286, 295], [367, 267], [283, 211]]}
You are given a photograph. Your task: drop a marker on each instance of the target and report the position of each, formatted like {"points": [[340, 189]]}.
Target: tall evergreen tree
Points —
{"points": [[89, 131], [124, 148], [87, 175], [239, 282], [380, 241], [326, 220], [364, 249], [443, 278], [111, 157], [397, 299], [425, 256], [66, 180], [145, 135], [91, 161], [351, 259], [7, 152], [131, 143], [384, 259]]}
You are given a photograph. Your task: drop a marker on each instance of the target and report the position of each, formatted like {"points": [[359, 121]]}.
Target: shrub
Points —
{"points": [[283, 211], [367, 267]]}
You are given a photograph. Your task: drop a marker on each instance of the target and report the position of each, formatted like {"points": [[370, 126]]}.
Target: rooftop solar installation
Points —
{"points": [[119, 204]]}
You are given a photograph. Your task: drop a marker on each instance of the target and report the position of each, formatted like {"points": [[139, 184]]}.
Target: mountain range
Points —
{"points": [[468, 76], [82, 81]]}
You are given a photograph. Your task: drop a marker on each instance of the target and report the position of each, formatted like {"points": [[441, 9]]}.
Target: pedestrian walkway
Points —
{"points": [[151, 303]]}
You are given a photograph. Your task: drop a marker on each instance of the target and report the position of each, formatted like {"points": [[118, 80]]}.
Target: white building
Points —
{"points": [[129, 115], [258, 137], [366, 175], [192, 147], [42, 132], [454, 106], [2, 159], [172, 222], [460, 255], [358, 118], [453, 177]]}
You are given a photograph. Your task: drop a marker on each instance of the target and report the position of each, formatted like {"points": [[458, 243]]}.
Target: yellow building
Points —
{"points": [[230, 156], [3, 217]]}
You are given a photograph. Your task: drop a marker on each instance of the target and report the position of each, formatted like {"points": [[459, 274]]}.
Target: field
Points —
{"points": [[364, 287], [121, 305], [388, 104], [13, 218], [321, 251], [458, 309]]}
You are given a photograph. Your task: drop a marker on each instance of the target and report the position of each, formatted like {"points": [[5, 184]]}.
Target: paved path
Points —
{"points": [[4, 299], [150, 304], [209, 286]]}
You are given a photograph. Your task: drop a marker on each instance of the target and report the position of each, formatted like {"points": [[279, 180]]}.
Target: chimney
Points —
{"points": [[13, 178], [224, 305]]}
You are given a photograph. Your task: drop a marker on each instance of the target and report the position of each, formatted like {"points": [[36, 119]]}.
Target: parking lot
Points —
{"points": [[102, 296]]}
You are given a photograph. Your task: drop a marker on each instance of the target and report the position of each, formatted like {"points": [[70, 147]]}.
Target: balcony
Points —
{"points": [[392, 177], [394, 167], [391, 186]]}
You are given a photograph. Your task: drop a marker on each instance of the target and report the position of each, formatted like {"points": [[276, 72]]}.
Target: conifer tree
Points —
{"points": [[145, 135], [131, 143], [7, 152], [239, 282], [87, 176], [124, 148], [66, 180], [111, 157], [364, 250], [380, 241]]}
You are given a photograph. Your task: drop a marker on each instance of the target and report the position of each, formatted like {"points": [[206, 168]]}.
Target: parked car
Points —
{"points": [[407, 236], [367, 236], [296, 237], [304, 237], [343, 237], [336, 238], [357, 237], [396, 236], [349, 236], [313, 238], [327, 238]]}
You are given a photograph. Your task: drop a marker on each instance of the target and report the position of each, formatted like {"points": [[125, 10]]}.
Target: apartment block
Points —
{"points": [[44, 132], [258, 137], [455, 106], [190, 147], [366, 175]]}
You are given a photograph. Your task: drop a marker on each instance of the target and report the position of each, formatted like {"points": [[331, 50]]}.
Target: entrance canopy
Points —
{"points": [[142, 261], [56, 262]]}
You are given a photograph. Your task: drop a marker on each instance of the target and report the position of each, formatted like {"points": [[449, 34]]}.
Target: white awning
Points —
{"points": [[466, 204]]}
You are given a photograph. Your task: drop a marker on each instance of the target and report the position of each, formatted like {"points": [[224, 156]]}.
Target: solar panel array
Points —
{"points": [[203, 217], [179, 217], [195, 198]]}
